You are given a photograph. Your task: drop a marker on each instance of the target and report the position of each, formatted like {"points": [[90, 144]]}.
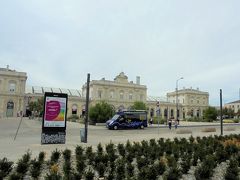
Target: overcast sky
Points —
{"points": [[58, 42]]}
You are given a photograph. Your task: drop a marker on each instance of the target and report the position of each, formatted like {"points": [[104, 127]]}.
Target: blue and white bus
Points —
{"points": [[128, 120]]}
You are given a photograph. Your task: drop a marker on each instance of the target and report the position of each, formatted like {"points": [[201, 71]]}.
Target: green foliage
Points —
{"points": [[160, 167], [23, 164], [67, 169], [15, 176], [67, 154], [227, 112], [205, 171], [130, 170], [37, 105], [101, 169], [121, 149], [232, 170], [195, 119], [89, 174], [80, 167], [139, 105], [210, 114], [90, 155], [186, 163], [79, 152], [41, 156], [5, 167], [159, 120], [101, 112], [120, 169], [73, 118], [35, 169], [173, 174], [55, 156]]}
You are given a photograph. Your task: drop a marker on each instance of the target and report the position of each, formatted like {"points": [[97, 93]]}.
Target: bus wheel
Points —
{"points": [[142, 127], [115, 127]]}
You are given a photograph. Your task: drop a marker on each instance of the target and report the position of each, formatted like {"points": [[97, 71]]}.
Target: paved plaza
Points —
{"points": [[29, 135]]}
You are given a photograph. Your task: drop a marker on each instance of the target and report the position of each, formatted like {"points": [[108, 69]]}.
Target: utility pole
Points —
{"points": [[87, 105], [177, 113], [221, 118]]}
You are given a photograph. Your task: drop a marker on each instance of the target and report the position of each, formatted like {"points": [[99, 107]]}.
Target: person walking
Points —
{"points": [[170, 123], [176, 123], [151, 121]]}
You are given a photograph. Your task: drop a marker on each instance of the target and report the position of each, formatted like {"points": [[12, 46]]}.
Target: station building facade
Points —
{"points": [[120, 93], [235, 106]]}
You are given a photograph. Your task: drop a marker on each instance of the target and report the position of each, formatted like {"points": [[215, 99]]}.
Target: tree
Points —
{"points": [[37, 105], [139, 105], [101, 112], [210, 114]]}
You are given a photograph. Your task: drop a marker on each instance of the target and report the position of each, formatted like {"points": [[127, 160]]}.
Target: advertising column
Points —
{"points": [[54, 118]]}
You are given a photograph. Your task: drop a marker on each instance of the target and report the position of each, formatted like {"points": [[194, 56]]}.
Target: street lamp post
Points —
{"points": [[177, 113]]}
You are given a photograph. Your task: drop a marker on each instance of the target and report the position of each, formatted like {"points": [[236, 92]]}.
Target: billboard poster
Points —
{"points": [[54, 118], [55, 112]]}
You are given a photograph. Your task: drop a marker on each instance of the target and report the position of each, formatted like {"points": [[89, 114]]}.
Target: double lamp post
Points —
{"points": [[177, 111]]}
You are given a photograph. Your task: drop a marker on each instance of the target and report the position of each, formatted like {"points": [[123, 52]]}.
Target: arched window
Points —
{"points": [[111, 94], [99, 94], [121, 95], [192, 111], [74, 109], [10, 108], [152, 112], [130, 96], [171, 112], [165, 113], [198, 113]]}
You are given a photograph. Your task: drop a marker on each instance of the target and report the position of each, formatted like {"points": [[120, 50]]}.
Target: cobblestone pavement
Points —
{"points": [[29, 135]]}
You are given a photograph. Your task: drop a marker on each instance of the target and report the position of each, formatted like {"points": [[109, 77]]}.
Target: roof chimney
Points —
{"points": [[138, 80]]}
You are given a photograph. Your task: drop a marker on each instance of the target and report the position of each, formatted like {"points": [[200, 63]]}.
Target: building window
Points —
{"points": [[141, 97], [165, 113], [171, 112], [74, 109], [121, 95], [198, 101], [111, 94], [183, 100], [151, 112], [198, 113], [192, 113], [12, 87], [99, 94], [130, 96]]}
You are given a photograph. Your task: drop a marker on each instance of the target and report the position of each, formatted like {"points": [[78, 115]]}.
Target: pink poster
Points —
{"points": [[55, 111]]}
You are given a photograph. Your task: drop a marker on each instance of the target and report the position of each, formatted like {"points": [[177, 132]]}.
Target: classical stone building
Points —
{"points": [[191, 102], [235, 106], [12, 92], [120, 92]]}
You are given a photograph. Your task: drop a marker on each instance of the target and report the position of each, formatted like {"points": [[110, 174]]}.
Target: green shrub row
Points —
{"points": [[144, 160]]}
